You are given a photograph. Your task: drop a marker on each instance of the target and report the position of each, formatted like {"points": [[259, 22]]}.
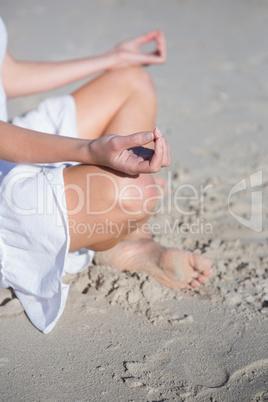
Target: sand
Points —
{"points": [[122, 336]]}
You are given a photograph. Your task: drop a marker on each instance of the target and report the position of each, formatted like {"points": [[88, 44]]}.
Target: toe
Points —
{"points": [[200, 263], [195, 283], [207, 273], [202, 278], [194, 275]]}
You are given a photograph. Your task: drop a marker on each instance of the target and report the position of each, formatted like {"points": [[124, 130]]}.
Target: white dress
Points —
{"points": [[34, 231]]}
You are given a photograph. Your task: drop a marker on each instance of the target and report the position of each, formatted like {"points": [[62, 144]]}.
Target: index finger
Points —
{"points": [[155, 163], [147, 37], [161, 44]]}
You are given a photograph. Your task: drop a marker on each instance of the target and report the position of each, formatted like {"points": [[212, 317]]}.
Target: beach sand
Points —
{"points": [[122, 336]]}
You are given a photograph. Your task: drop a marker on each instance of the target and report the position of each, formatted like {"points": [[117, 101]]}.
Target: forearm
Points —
{"points": [[22, 78], [20, 145]]}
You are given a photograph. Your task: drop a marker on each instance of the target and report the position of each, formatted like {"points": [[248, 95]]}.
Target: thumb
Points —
{"points": [[137, 139]]}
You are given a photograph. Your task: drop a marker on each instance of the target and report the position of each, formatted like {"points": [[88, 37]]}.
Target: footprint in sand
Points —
{"points": [[207, 373], [250, 383], [199, 366], [253, 376], [158, 361], [204, 372], [251, 371]]}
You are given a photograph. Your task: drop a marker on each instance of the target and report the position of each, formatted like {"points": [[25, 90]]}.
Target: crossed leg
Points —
{"points": [[122, 102], [119, 102]]}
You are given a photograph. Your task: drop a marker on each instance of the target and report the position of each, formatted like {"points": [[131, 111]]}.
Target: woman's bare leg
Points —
{"points": [[122, 102], [104, 206], [119, 102], [107, 213]]}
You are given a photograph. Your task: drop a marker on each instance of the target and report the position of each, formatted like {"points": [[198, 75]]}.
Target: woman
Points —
{"points": [[51, 209]]}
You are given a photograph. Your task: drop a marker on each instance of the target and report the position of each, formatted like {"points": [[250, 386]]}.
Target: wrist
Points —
{"points": [[113, 58], [84, 152]]}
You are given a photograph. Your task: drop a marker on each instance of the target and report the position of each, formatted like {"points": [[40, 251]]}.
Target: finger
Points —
{"points": [[151, 165], [147, 37], [148, 58], [157, 158], [153, 58], [133, 140], [161, 44], [165, 157], [157, 133], [167, 153], [159, 38], [142, 39], [139, 165]]}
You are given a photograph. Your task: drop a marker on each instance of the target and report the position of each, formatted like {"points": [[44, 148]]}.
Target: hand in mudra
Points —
{"points": [[128, 155], [129, 52]]}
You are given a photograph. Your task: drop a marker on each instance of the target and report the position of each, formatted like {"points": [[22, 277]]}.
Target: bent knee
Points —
{"points": [[141, 79], [138, 196], [137, 79]]}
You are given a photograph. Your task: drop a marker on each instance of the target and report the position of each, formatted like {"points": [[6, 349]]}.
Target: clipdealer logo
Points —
{"points": [[255, 187]]}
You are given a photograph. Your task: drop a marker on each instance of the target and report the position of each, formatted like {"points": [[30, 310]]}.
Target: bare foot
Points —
{"points": [[171, 267]]}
